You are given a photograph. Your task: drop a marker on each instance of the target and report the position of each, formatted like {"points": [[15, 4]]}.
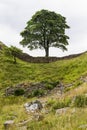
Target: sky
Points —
{"points": [[14, 15]]}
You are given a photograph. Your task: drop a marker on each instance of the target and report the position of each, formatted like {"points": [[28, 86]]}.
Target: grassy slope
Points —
{"points": [[13, 107], [67, 71]]}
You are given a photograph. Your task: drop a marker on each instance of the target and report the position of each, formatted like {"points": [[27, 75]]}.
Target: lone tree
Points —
{"points": [[12, 51], [45, 29]]}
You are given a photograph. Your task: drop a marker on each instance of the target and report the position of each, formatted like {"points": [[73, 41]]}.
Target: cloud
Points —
{"points": [[15, 13]]}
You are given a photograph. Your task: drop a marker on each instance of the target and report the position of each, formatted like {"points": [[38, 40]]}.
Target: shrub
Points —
{"points": [[38, 92], [80, 101], [51, 85], [19, 92]]}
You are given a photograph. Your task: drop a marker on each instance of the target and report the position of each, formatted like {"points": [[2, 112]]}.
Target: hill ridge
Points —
{"points": [[26, 57]]}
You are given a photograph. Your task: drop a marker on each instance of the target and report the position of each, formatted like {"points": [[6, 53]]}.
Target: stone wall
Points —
{"points": [[28, 58]]}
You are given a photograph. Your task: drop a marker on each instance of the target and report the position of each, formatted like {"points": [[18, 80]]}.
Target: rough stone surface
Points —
{"points": [[62, 110], [8, 123], [31, 59], [33, 106], [27, 87]]}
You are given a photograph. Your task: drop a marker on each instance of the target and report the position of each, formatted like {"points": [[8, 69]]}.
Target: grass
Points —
{"points": [[66, 71], [67, 121], [12, 108]]}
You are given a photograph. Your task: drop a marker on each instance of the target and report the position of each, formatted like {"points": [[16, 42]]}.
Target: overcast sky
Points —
{"points": [[15, 13]]}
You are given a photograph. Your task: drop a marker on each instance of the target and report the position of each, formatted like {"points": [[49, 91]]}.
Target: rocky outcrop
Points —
{"points": [[33, 106], [29, 89]]}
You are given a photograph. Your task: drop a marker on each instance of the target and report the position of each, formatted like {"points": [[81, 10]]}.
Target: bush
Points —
{"points": [[38, 92], [51, 85], [80, 101], [19, 92]]}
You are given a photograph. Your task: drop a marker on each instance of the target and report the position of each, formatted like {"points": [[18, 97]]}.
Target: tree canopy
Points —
{"points": [[13, 52], [44, 30]]}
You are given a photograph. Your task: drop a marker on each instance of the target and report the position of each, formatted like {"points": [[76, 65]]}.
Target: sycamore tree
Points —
{"points": [[44, 30]]}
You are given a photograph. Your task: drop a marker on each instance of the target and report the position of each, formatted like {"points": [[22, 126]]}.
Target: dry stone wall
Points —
{"points": [[28, 58]]}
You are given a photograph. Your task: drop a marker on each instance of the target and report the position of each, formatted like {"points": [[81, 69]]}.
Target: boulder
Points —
{"points": [[62, 110], [8, 124], [33, 106]]}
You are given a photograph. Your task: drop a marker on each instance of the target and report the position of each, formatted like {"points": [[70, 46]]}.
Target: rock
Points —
{"points": [[33, 106], [83, 126], [8, 124], [84, 79], [62, 110]]}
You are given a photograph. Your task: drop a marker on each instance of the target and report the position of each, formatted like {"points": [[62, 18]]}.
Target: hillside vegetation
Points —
{"points": [[66, 71], [69, 71]]}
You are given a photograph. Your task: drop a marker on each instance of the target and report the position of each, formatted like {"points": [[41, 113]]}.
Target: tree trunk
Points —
{"points": [[47, 52]]}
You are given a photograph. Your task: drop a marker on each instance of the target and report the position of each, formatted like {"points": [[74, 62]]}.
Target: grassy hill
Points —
{"points": [[67, 71]]}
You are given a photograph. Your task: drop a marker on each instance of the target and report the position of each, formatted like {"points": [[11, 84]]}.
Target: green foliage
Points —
{"points": [[37, 92], [80, 101], [45, 29], [12, 52], [19, 92], [50, 85]]}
